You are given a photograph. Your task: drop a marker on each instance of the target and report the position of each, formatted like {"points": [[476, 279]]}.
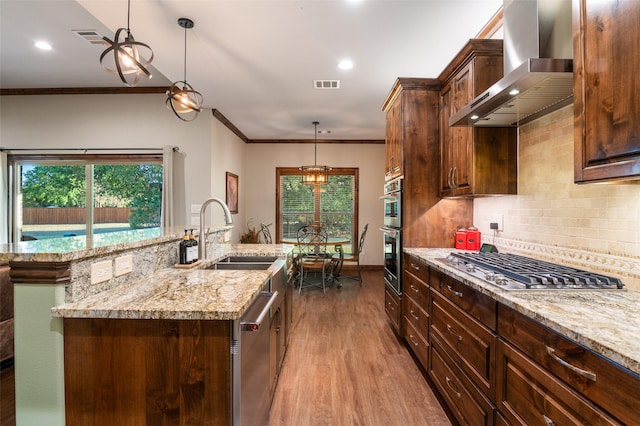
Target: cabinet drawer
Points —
{"points": [[418, 343], [476, 304], [415, 315], [416, 267], [466, 402], [528, 395], [608, 385], [472, 345], [416, 289], [392, 307]]}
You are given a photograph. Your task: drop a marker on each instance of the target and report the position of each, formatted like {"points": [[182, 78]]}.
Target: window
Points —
{"points": [[50, 194], [334, 205]]}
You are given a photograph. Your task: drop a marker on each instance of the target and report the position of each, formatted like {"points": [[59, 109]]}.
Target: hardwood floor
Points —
{"points": [[345, 365], [7, 397]]}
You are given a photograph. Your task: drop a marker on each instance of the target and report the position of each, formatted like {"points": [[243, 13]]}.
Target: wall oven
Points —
{"points": [[392, 258], [392, 199]]}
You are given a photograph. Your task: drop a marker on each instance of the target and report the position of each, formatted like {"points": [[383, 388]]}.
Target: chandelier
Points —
{"points": [[315, 174], [129, 55], [182, 98]]}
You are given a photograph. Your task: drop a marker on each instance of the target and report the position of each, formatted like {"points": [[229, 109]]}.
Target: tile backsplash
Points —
{"points": [[593, 226]]}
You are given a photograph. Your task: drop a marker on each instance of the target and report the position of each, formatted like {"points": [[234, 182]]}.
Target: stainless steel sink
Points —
{"points": [[249, 266], [249, 259]]}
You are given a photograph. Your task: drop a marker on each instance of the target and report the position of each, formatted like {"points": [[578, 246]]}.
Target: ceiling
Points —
{"points": [[253, 60]]}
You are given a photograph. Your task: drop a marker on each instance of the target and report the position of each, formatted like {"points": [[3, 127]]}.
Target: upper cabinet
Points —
{"points": [[474, 161], [606, 90], [394, 157]]}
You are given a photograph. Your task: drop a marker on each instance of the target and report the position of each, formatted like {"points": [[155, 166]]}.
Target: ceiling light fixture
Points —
{"points": [[345, 64], [183, 100], [312, 175], [128, 57], [43, 45]]}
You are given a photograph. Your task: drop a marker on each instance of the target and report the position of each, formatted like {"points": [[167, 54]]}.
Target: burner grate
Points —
{"points": [[535, 273]]}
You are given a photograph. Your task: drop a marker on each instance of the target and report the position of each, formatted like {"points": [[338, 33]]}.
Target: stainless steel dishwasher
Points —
{"points": [[250, 361]]}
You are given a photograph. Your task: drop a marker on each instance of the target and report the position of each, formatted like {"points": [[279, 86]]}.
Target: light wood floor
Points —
{"points": [[345, 365]]}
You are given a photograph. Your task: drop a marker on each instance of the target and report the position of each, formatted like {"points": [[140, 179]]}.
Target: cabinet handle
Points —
{"points": [[455, 391], [412, 340], [414, 266], [411, 312], [453, 177], [548, 420], [449, 181], [416, 290], [584, 373], [452, 331], [455, 293]]}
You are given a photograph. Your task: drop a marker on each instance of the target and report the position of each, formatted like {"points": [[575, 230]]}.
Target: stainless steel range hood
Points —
{"points": [[538, 67]]}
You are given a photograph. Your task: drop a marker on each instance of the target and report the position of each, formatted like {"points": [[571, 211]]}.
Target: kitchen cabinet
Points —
{"points": [[613, 388], [415, 306], [6, 314], [413, 150], [392, 308], [474, 161], [529, 395], [606, 90]]}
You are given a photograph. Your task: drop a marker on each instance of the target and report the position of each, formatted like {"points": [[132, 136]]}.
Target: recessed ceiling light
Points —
{"points": [[42, 45], [345, 64], [474, 117]]}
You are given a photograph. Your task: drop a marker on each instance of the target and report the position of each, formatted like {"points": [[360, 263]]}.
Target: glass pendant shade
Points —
{"points": [[312, 175], [182, 98], [126, 57]]}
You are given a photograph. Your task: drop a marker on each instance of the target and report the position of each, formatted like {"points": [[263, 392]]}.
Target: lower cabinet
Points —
{"points": [[415, 308], [467, 403], [392, 308], [529, 395]]}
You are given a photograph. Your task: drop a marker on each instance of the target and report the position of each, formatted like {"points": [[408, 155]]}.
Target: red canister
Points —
{"points": [[461, 239], [473, 238]]}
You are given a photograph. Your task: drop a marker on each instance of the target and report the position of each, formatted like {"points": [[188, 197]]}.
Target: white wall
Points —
{"points": [[262, 160]]}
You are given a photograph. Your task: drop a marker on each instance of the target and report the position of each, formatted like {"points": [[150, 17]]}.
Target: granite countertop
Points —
{"points": [[187, 294], [607, 322]]}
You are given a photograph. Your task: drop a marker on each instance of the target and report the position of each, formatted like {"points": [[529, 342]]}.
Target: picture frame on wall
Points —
{"points": [[232, 192]]}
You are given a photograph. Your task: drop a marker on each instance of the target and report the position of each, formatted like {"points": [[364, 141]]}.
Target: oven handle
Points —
{"points": [[390, 196], [255, 325], [390, 231]]}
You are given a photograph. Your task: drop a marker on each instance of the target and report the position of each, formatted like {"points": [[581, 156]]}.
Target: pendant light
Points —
{"points": [[128, 60], [315, 174], [182, 99]]}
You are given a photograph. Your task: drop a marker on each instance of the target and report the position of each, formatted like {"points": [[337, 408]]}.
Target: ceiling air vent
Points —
{"points": [[91, 36], [326, 84]]}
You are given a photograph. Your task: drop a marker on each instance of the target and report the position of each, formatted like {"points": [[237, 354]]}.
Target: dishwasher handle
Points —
{"points": [[255, 325]]}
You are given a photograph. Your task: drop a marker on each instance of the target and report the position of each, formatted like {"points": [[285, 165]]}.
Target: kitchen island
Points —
{"points": [[571, 356], [193, 306]]}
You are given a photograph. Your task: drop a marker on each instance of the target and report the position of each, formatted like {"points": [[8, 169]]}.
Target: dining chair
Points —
{"points": [[266, 234], [312, 259], [354, 257]]}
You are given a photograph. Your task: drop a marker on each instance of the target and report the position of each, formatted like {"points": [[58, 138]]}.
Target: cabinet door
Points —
{"points": [[392, 308], [446, 140], [394, 140], [463, 90], [606, 90], [528, 395]]}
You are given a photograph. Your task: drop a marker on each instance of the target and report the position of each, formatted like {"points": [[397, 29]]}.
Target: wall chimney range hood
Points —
{"points": [[538, 67]]}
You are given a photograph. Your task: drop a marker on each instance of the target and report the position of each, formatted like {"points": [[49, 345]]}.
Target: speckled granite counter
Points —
{"points": [[607, 322], [172, 293]]}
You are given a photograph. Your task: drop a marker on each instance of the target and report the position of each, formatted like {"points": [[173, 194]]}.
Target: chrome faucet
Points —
{"points": [[202, 239]]}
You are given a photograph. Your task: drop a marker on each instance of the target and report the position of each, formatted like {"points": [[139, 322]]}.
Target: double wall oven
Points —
{"points": [[392, 232]]}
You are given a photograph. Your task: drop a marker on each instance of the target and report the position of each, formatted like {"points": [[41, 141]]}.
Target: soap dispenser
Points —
{"points": [[184, 244], [192, 249]]}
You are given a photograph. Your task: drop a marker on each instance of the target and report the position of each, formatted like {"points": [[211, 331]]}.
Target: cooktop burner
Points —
{"points": [[514, 272]]}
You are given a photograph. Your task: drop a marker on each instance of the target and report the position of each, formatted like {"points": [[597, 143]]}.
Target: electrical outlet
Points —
{"points": [[195, 208], [101, 271], [492, 225], [124, 265], [497, 223]]}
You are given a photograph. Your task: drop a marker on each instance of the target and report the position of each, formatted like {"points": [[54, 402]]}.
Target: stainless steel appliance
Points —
{"points": [[392, 199], [392, 233], [514, 272], [251, 353]]}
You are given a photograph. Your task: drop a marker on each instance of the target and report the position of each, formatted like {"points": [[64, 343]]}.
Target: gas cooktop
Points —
{"points": [[513, 272]]}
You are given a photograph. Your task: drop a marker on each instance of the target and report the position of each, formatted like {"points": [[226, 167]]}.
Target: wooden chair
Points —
{"points": [[312, 258], [354, 257]]}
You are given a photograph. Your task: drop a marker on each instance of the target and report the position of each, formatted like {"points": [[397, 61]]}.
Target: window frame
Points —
{"points": [[295, 171]]}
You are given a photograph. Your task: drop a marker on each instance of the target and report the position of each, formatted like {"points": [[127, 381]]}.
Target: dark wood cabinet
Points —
{"points": [[392, 308], [606, 90], [474, 161], [613, 388], [529, 395], [413, 149], [415, 307]]}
